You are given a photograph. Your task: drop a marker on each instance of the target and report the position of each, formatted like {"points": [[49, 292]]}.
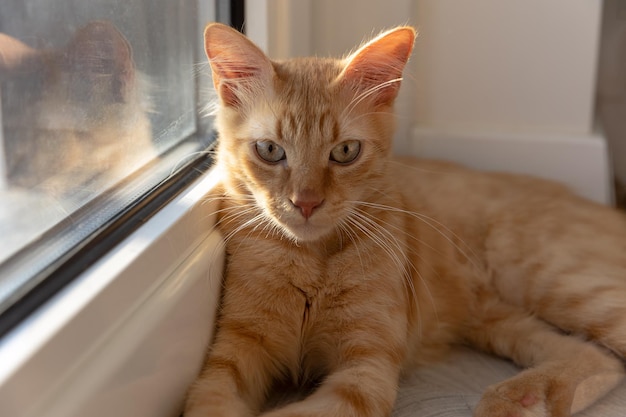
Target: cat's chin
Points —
{"points": [[306, 232]]}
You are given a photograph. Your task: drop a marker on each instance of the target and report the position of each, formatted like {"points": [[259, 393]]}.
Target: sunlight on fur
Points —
{"points": [[347, 267]]}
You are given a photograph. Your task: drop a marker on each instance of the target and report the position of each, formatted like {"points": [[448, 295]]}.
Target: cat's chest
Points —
{"points": [[306, 298], [319, 276]]}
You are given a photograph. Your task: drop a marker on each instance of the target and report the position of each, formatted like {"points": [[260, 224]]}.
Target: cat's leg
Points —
{"points": [[585, 302], [567, 265], [565, 375], [364, 347], [366, 388], [235, 378]]}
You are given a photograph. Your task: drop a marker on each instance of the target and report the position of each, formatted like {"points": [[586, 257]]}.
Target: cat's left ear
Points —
{"points": [[375, 69]]}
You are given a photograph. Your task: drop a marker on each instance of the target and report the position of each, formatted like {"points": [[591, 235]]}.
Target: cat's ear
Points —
{"points": [[17, 57], [238, 65], [100, 54], [374, 71]]}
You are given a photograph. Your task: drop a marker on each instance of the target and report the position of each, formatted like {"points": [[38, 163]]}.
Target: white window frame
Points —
{"points": [[127, 336]]}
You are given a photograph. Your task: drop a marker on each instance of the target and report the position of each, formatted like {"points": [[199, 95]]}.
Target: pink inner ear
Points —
{"points": [[375, 70], [236, 63], [227, 77]]}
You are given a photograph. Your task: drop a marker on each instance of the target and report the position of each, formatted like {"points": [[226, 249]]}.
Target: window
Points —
{"points": [[110, 267], [101, 104]]}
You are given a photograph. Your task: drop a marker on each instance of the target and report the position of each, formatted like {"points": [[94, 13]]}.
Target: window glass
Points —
{"points": [[97, 106]]}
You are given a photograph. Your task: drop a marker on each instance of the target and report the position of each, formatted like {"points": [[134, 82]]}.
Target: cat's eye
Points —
{"points": [[269, 151], [346, 152]]}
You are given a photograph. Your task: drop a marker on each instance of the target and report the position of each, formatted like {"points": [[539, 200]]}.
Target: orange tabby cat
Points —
{"points": [[347, 267]]}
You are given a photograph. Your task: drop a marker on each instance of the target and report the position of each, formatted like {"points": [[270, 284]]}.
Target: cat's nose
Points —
{"points": [[307, 201]]}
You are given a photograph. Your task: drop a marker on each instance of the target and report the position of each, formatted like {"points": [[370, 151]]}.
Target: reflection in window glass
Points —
{"points": [[90, 92]]}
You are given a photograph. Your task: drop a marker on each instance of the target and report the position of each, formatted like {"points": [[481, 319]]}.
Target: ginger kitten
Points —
{"points": [[346, 267]]}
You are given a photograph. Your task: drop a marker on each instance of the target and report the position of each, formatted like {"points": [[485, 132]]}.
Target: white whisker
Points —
{"points": [[359, 98], [412, 267], [392, 247], [435, 225]]}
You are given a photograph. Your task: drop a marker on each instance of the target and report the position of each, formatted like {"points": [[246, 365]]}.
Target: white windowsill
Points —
{"points": [[128, 336], [579, 161]]}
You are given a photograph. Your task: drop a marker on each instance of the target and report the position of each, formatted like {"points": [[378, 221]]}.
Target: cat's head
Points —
{"points": [[306, 138]]}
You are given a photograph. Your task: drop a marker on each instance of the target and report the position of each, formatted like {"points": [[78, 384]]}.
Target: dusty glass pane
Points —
{"points": [[90, 92]]}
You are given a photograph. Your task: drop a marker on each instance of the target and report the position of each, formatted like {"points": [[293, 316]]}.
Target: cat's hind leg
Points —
{"points": [[567, 264], [588, 303], [565, 374]]}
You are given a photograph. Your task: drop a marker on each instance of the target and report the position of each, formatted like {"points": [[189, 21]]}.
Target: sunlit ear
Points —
{"points": [[374, 71], [16, 56], [238, 65]]}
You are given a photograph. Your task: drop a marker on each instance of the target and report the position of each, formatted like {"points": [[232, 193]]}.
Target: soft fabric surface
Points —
{"points": [[452, 388]]}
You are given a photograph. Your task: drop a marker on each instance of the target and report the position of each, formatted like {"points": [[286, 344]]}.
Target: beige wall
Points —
{"points": [[527, 66]]}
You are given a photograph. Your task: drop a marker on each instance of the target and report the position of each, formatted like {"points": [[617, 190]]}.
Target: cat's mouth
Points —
{"points": [[304, 229], [307, 232]]}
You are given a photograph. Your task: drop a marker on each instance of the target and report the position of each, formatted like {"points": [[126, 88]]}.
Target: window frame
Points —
{"points": [[111, 333], [146, 288], [59, 256], [54, 276]]}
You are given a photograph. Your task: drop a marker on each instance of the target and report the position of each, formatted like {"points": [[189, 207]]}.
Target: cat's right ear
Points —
{"points": [[238, 65]]}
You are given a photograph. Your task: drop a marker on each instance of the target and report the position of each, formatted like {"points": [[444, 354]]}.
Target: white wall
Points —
{"points": [[523, 66], [510, 85], [494, 84]]}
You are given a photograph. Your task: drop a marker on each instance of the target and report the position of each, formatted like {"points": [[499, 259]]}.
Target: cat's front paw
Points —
{"points": [[494, 404], [524, 398]]}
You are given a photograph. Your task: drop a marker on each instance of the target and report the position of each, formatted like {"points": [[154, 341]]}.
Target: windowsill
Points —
{"points": [[129, 334]]}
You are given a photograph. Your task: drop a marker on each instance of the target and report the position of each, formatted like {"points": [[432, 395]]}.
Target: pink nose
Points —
{"points": [[307, 201]]}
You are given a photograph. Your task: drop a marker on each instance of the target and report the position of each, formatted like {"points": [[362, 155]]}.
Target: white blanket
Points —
{"points": [[453, 387]]}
